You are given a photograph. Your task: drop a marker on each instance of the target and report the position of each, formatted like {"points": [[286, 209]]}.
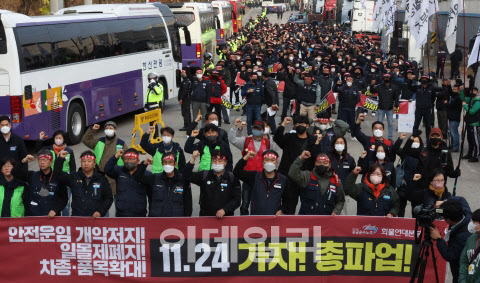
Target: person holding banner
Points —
{"points": [[374, 196], [325, 80], [14, 193], [322, 192]]}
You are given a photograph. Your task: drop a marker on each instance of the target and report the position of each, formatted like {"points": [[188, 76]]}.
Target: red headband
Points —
{"points": [[88, 157], [47, 156], [322, 158], [323, 120], [270, 155], [168, 157], [219, 157], [130, 155]]}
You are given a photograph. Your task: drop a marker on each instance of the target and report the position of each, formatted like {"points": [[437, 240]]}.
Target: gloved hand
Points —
{"points": [[152, 85]]}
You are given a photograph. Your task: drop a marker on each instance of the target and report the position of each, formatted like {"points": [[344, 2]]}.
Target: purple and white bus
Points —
{"points": [[84, 65]]}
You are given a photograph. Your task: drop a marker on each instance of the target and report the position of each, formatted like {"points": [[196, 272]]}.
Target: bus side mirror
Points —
{"points": [[218, 22], [178, 76], [28, 92], [188, 39]]}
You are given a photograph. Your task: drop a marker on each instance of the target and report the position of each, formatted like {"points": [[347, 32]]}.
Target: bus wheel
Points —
{"points": [[76, 123]]}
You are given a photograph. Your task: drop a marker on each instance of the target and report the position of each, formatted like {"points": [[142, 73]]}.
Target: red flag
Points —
{"points": [[281, 86], [239, 81], [402, 107], [275, 67], [362, 100], [331, 98]]}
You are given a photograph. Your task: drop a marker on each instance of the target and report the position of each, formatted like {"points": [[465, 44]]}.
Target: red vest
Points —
{"points": [[256, 163]]}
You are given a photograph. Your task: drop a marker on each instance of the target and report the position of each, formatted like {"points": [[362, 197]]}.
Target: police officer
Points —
{"points": [[131, 197], [184, 98], [154, 94], [46, 194], [91, 192], [219, 188], [321, 190], [207, 62], [269, 188]]}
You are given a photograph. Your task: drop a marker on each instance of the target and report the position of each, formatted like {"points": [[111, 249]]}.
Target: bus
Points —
{"points": [[201, 22], [223, 11], [236, 15], [84, 65], [273, 5]]}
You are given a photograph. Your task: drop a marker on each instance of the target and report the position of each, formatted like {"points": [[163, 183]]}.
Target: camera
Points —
{"points": [[425, 215]]}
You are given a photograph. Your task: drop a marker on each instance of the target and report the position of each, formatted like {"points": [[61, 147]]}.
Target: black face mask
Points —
{"points": [[358, 74], [300, 129], [321, 170], [387, 81], [254, 81], [435, 141], [424, 82]]}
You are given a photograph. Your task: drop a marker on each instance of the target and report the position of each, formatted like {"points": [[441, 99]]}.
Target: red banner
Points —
{"points": [[402, 107], [237, 249], [239, 81]]}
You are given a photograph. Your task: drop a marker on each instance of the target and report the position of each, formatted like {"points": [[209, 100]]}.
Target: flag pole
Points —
{"points": [[464, 45]]}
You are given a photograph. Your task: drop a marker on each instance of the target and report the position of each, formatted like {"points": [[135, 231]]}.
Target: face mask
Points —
{"points": [[434, 141], [349, 83], [168, 169], [214, 122], [375, 180], [259, 74], [387, 81], [339, 147], [300, 130], [152, 81], [321, 170], [269, 166], [266, 131], [212, 139], [354, 64], [5, 130], [381, 155], [58, 142], [377, 62], [259, 63], [437, 185], [372, 70], [109, 133], [323, 127], [199, 76], [424, 82], [297, 65], [290, 58], [378, 133], [130, 165], [166, 139], [396, 73], [415, 145], [358, 75], [369, 57], [472, 228], [332, 70], [339, 60], [257, 133], [326, 74], [218, 167]]}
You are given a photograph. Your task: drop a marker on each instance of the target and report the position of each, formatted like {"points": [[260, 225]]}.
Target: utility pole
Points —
{"points": [[55, 5]]}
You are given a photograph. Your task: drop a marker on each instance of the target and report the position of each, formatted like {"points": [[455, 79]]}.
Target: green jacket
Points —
{"points": [[302, 178], [465, 258], [474, 108]]}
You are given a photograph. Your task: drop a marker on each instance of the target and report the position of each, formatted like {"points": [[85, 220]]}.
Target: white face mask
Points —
{"points": [[109, 133], [332, 70], [377, 62], [323, 127], [290, 58], [5, 130], [378, 133], [152, 81], [266, 131], [259, 63], [375, 180], [59, 141], [415, 145], [381, 155], [269, 166], [372, 70], [354, 64], [168, 168], [199, 76], [215, 122], [166, 139], [472, 228], [369, 57], [297, 65], [218, 167], [339, 147], [339, 60], [349, 83]]}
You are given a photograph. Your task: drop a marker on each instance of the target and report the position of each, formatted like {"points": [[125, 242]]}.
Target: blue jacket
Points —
{"points": [[257, 96]]}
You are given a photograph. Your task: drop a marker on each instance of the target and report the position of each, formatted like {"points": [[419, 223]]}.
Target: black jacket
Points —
{"points": [[270, 93], [431, 158], [216, 193], [326, 84], [190, 147], [152, 150], [185, 91], [347, 96], [9, 189], [96, 196], [201, 135], [387, 96], [15, 147], [455, 106]]}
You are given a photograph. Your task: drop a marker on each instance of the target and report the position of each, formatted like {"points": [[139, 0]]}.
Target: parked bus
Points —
{"points": [[223, 10], [84, 65], [201, 22], [273, 5]]}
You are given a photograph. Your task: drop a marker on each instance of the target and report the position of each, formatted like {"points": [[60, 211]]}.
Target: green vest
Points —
{"points": [[17, 207], [157, 166], [98, 151], [155, 95], [206, 159], [66, 163], [210, 66], [222, 56]]}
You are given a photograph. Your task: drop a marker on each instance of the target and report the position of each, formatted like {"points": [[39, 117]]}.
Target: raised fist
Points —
{"points": [[305, 155], [357, 170], [96, 127], [195, 133]]}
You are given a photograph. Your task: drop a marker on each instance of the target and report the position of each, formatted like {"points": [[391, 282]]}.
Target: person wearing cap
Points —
{"points": [[268, 187], [131, 197], [256, 143], [326, 83], [91, 191], [46, 194], [105, 147], [154, 93], [207, 63], [167, 145], [11, 145], [388, 100], [169, 194], [424, 96], [321, 190], [201, 92], [14, 193], [185, 100], [348, 97], [309, 94], [220, 192], [207, 145], [254, 93]]}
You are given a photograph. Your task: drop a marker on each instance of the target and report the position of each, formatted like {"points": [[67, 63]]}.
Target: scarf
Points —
{"points": [[376, 189], [168, 147], [438, 192], [57, 148]]}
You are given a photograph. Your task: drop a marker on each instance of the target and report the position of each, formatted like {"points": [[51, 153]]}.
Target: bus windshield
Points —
{"points": [[3, 40]]}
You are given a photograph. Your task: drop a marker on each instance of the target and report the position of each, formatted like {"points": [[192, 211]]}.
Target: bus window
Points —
{"points": [[121, 31], [35, 48], [95, 38], [67, 44], [3, 40], [160, 35], [186, 18], [143, 36]]}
